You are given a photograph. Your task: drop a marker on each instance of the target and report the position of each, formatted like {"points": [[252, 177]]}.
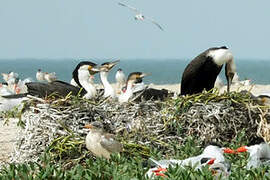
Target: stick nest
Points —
{"points": [[56, 126]]}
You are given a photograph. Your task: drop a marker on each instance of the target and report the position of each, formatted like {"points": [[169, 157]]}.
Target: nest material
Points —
{"points": [[58, 125]]}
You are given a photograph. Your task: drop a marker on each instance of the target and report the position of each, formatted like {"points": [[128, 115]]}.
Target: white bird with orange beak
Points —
{"points": [[259, 154], [101, 144], [211, 154]]}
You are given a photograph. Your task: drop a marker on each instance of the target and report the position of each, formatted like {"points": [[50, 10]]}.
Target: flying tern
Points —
{"points": [[140, 16]]}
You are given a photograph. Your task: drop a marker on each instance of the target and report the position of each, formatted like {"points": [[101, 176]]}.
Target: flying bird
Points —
{"points": [[140, 16]]}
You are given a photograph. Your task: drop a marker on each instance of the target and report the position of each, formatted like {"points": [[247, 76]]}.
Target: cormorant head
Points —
{"points": [[220, 56], [92, 67], [136, 77], [107, 66], [230, 70]]}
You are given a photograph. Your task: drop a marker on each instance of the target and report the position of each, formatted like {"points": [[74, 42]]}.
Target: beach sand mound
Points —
{"points": [[57, 126]]}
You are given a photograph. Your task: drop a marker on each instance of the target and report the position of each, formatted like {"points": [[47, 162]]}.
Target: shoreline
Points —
{"points": [[255, 89]]}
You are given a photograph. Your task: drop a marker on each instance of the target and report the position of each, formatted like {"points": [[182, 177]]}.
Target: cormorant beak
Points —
{"points": [[112, 64], [230, 70], [108, 66], [88, 126], [229, 151], [93, 69], [144, 74], [242, 149]]}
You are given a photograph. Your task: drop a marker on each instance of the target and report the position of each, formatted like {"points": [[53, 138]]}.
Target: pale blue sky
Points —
{"points": [[103, 29]]}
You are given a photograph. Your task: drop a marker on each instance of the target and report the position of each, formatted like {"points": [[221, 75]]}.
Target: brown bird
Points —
{"points": [[100, 143]]}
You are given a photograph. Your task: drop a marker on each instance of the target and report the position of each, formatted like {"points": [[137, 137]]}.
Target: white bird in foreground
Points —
{"points": [[210, 155], [139, 15], [101, 144], [259, 154]]}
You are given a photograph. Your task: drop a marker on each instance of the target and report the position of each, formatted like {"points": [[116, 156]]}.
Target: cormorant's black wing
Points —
{"points": [[55, 88], [153, 94], [200, 73]]}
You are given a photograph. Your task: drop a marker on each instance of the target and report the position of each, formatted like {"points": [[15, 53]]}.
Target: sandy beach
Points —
{"points": [[9, 131], [255, 89]]}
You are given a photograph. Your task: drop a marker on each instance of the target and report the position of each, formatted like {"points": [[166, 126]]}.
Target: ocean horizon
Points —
{"points": [[163, 71]]}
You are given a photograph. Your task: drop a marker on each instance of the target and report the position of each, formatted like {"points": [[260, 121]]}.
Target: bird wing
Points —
{"points": [[130, 7], [191, 73], [154, 22], [110, 144], [58, 88]]}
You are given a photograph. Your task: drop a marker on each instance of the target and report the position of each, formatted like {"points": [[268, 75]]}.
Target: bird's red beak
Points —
{"points": [[159, 170], [242, 149], [229, 151], [211, 161]]}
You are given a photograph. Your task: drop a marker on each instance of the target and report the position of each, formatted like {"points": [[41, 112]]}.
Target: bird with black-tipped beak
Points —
{"points": [[100, 143], [201, 73], [140, 16], [109, 91]]}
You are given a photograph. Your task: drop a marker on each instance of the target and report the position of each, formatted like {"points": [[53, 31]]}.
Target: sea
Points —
{"points": [[163, 71]]}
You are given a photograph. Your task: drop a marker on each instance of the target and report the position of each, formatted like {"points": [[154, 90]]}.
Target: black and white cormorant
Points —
{"points": [[202, 71], [104, 70], [134, 77], [144, 94], [81, 75]]}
